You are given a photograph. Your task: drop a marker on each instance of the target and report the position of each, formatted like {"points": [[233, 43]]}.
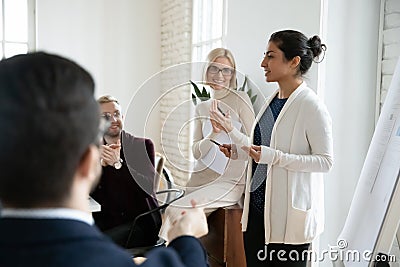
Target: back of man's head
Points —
{"points": [[48, 117]]}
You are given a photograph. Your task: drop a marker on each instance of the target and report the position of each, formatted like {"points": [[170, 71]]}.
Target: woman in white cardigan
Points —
{"points": [[292, 146]]}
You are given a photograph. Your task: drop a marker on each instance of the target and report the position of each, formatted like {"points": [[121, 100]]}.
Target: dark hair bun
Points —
{"points": [[315, 45]]}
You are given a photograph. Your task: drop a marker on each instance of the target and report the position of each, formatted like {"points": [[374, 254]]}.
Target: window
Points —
{"points": [[208, 32], [17, 27], [209, 27]]}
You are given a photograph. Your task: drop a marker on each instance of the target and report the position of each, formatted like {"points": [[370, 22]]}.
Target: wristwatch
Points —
{"points": [[118, 164]]}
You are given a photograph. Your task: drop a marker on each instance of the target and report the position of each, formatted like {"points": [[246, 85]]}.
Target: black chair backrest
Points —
{"points": [[142, 221]]}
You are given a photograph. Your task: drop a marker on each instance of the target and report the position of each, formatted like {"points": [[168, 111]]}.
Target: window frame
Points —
{"points": [[31, 28], [209, 41], [203, 43]]}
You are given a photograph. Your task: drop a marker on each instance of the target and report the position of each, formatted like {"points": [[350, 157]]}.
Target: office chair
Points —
{"points": [[164, 178], [135, 232], [159, 162], [148, 223]]}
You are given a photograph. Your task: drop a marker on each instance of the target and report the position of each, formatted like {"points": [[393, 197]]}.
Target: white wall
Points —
{"points": [[118, 41], [250, 25], [351, 70]]}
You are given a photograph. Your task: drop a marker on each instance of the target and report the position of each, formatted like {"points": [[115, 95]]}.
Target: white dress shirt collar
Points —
{"points": [[55, 213]]}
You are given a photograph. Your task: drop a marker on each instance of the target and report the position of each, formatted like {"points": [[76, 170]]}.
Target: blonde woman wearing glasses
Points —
{"points": [[217, 181]]}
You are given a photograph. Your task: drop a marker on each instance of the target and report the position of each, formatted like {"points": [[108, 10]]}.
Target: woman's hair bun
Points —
{"points": [[315, 45]]}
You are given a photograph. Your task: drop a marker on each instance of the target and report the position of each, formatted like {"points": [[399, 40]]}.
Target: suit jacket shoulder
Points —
{"points": [[56, 242], [143, 145], [70, 243]]}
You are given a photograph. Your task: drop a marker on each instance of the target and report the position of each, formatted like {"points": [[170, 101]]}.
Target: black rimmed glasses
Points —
{"points": [[225, 71], [107, 115]]}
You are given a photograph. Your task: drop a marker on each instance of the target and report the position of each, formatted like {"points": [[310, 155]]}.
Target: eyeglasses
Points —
{"points": [[107, 115], [225, 71]]}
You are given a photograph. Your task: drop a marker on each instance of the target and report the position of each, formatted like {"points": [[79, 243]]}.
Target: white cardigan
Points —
{"points": [[300, 150]]}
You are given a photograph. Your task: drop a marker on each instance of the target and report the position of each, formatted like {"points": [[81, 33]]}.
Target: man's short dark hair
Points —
{"points": [[48, 118]]}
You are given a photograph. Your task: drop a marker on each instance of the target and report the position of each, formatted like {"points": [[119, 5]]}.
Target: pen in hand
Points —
{"points": [[220, 110], [229, 150], [215, 142]]}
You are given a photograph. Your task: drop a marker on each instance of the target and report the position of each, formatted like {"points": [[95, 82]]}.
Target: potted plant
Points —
{"points": [[203, 95]]}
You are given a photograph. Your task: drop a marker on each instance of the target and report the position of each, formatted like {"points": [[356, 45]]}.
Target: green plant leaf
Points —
{"points": [[253, 99], [204, 92], [244, 82], [196, 89], [204, 95], [239, 88], [201, 95], [194, 100]]}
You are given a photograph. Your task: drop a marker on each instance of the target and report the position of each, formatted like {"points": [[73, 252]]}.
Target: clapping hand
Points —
{"points": [[110, 153], [191, 221], [219, 121]]}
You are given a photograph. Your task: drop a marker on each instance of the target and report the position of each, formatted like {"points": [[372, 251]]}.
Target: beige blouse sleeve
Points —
{"points": [[201, 144], [246, 117]]}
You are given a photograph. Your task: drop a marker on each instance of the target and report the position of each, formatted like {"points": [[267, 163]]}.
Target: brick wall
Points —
{"points": [[391, 44], [176, 38]]}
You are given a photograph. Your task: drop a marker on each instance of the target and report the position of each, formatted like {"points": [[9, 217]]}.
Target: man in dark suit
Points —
{"points": [[49, 163], [127, 184]]}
